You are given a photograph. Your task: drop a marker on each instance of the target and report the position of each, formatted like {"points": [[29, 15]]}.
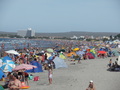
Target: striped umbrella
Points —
{"points": [[1, 62], [7, 66]]}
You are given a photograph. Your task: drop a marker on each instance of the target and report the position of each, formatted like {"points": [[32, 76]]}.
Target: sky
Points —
{"points": [[50, 16]]}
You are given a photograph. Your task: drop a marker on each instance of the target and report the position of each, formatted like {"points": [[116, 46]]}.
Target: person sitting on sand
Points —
{"points": [[110, 63], [113, 67], [7, 80], [91, 86], [14, 84]]}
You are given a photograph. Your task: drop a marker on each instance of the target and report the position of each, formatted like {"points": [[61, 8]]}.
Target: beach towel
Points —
{"points": [[1, 88]]}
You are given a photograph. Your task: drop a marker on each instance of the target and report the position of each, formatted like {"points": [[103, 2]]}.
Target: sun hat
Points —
{"points": [[91, 80]]}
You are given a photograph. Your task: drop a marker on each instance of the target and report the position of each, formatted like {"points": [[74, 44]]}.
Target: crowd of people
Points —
{"points": [[113, 66], [86, 51]]}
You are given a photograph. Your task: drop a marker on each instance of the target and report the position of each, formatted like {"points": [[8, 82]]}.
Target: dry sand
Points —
{"points": [[77, 77]]}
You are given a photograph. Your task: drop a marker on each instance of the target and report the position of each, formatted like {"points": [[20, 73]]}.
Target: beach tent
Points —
{"points": [[48, 55], [90, 55], [62, 56], [115, 52], [2, 74], [35, 70], [59, 63], [93, 50]]}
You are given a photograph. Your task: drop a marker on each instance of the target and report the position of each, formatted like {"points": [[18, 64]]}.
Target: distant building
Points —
{"points": [[26, 33], [74, 37]]}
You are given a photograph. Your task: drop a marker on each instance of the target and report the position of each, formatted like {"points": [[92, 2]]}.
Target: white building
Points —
{"points": [[26, 33], [74, 37]]}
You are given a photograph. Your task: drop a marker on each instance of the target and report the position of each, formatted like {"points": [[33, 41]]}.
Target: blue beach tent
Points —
{"points": [[35, 70]]}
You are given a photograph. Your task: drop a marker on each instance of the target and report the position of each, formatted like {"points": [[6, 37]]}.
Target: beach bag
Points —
{"points": [[30, 77], [36, 78]]}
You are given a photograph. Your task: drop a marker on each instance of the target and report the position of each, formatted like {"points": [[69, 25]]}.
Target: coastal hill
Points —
{"points": [[69, 34], [77, 33]]}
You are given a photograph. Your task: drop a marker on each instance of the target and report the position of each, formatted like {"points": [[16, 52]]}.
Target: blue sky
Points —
{"points": [[60, 15]]}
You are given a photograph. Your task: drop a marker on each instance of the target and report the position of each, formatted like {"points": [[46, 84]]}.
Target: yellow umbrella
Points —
{"points": [[76, 49]]}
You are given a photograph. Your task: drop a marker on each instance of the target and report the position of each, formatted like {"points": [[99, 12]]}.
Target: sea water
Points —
{"points": [[8, 44]]}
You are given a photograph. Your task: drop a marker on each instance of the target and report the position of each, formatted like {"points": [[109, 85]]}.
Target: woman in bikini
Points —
{"points": [[14, 84]]}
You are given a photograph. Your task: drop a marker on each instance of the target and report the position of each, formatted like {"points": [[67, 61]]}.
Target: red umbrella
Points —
{"points": [[24, 67], [102, 52]]}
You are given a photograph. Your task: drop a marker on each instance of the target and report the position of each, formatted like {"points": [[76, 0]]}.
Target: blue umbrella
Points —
{"points": [[2, 74], [6, 58], [7, 66], [80, 53]]}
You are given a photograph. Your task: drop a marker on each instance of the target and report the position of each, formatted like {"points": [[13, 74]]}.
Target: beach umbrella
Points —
{"points": [[49, 50], [7, 66], [71, 53], [80, 53], [1, 62], [118, 62], [24, 67], [102, 52], [6, 58], [2, 74], [12, 52], [76, 49], [62, 50]]}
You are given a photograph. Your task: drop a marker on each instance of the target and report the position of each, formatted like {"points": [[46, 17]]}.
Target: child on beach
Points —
{"points": [[91, 86], [50, 75], [110, 63]]}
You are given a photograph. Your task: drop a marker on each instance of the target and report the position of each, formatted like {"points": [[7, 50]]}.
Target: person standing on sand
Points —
{"points": [[91, 86], [50, 75]]}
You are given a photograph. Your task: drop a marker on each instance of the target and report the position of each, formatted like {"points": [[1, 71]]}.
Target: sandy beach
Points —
{"points": [[77, 77]]}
